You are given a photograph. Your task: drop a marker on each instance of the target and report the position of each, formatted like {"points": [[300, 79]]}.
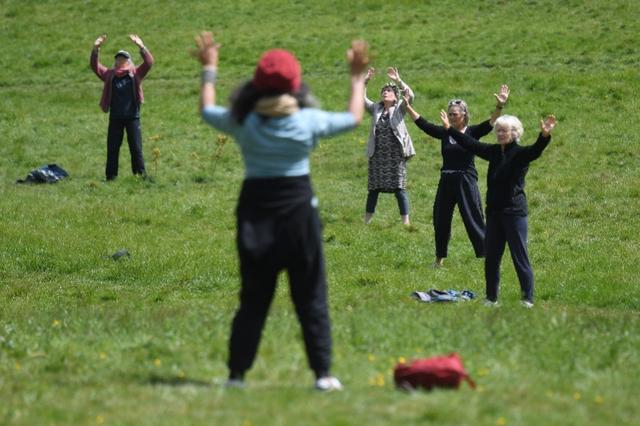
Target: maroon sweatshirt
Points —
{"points": [[106, 74]]}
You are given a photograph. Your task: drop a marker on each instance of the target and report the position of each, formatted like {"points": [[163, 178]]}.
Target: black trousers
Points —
{"points": [[462, 190], [114, 141], [502, 229], [275, 235]]}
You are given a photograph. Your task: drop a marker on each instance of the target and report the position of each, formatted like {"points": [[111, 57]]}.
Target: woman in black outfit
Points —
{"points": [[506, 201], [458, 176]]}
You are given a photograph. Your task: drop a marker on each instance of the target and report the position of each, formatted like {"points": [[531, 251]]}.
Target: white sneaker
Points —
{"points": [[489, 303], [328, 384], [234, 384], [526, 304]]}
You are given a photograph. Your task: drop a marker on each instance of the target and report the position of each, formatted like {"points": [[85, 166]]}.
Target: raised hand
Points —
{"points": [[99, 41], [445, 119], [502, 96], [370, 73], [547, 125], [207, 49], [136, 40], [393, 74], [358, 57]]}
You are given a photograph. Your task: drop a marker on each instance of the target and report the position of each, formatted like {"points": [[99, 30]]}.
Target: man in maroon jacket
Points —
{"points": [[121, 97]]}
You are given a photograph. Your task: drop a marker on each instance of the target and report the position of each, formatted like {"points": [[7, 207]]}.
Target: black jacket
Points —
{"points": [[507, 169], [455, 157]]}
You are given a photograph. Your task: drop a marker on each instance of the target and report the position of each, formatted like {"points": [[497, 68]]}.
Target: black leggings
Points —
{"points": [[401, 197]]}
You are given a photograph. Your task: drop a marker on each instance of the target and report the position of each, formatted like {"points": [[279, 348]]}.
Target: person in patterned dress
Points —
{"points": [[389, 145]]}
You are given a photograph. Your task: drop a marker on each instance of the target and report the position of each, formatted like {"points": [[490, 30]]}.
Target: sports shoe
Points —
{"points": [[527, 304], [328, 384], [490, 303]]}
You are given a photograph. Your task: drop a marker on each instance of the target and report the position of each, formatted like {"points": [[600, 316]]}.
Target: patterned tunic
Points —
{"points": [[387, 165]]}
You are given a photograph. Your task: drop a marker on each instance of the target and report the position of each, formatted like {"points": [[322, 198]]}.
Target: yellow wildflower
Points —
{"points": [[483, 372]]}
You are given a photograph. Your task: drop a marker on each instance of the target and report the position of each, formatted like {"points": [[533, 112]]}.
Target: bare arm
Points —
{"points": [[368, 103], [206, 53], [501, 100], [358, 58], [394, 75], [412, 112]]}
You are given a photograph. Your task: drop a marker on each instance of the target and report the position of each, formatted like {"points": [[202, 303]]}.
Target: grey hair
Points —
{"points": [[463, 107], [396, 91], [512, 123]]}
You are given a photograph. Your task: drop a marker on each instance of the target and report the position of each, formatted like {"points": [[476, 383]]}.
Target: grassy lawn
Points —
{"points": [[87, 340]]}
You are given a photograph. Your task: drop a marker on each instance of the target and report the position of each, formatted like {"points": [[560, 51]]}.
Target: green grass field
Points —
{"points": [[86, 340]]}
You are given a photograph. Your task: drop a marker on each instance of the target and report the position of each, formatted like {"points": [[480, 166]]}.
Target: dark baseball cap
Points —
{"points": [[123, 53]]}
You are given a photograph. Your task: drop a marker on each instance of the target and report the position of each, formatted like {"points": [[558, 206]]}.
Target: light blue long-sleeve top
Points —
{"points": [[278, 146]]}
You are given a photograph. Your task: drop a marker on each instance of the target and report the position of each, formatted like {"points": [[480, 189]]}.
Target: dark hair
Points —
{"points": [[244, 98]]}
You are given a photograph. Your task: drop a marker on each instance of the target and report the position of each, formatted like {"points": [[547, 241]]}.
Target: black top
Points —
{"points": [[455, 157], [123, 98], [507, 169]]}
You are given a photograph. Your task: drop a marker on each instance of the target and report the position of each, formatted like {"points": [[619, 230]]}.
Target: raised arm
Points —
{"points": [[480, 149], [368, 103], [534, 151], [206, 53], [501, 100], [147, 58], [94, 60], [412, 112], [394, 75], [358, 59], [429, 128]]}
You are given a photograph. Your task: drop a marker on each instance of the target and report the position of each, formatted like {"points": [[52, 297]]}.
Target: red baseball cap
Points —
{"points": [[278, 71]]}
